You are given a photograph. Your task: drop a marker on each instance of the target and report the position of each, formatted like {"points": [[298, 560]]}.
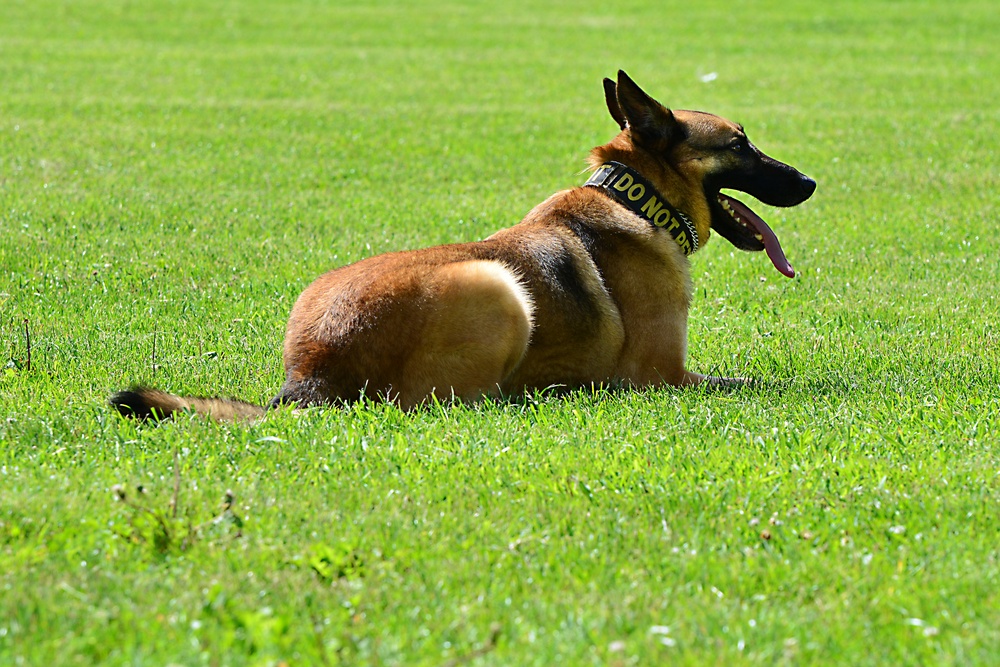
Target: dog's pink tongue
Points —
{"points": [[771, 244]]}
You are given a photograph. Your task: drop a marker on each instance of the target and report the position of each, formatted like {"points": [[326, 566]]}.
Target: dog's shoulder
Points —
{"points": [[598, 222]]}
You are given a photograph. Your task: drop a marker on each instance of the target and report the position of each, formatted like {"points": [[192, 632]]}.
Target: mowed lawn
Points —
{"points": [[174, 173]]}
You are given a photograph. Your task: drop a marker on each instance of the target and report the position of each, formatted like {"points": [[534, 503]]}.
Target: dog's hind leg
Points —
{"points": [[477, 328]]}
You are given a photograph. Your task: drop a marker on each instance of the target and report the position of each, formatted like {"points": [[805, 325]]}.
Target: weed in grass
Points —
{"points": [[170, 530]]}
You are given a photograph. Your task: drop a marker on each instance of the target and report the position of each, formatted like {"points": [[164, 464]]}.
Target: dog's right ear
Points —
{"points": [[652, 124], [611, 98]]}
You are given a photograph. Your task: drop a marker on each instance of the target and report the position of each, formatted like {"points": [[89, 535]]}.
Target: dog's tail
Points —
{"points": [[144, 403]]}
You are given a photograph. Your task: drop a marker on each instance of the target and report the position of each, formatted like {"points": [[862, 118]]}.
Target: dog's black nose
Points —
{"points": [[808, 186]]}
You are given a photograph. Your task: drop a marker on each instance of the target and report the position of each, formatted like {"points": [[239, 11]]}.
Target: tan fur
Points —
{"points": [[581, 291], [155, 404], [477, 328]]}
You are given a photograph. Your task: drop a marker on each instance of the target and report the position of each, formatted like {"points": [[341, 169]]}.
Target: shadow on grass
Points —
{"points": [[831, 385]]}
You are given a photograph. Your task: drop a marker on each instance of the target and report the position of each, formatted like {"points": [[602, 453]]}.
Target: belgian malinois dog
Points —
{"points": [[591, 287]]}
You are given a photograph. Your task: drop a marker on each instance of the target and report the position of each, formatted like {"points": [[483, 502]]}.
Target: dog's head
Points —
{"points": [[692, 156]]}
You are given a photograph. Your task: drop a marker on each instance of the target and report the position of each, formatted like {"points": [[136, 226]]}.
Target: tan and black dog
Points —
{"points": [[593, 286]]}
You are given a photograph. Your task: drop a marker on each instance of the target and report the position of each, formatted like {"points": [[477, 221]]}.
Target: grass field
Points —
{"points": [[173, 173]]}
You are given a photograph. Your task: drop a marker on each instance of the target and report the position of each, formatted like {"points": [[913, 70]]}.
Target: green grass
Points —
{"points": [[178, 171]]}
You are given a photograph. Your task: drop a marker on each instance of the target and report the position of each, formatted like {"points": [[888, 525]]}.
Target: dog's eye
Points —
{"points": [[736, 147]]}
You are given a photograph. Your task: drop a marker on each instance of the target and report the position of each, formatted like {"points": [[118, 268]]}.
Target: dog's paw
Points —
{"points": [[713, 382], [730, 383]]}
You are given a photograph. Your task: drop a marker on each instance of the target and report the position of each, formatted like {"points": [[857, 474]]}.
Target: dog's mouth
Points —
{"points": [[746, 230]]}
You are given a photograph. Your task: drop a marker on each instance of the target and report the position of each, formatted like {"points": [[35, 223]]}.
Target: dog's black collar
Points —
{"points": [[626, 186]]}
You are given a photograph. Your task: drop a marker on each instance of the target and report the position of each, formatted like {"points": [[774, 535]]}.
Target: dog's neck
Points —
{"points": [[628, 187]]}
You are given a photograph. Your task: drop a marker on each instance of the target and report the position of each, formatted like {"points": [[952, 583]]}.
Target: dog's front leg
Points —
{"points": [[712, 382]]}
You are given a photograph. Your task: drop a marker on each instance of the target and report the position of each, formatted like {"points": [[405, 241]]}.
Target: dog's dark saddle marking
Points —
{"points": [[627, 187]]}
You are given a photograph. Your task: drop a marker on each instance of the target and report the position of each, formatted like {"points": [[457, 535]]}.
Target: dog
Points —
{"points": [[591, 287]]}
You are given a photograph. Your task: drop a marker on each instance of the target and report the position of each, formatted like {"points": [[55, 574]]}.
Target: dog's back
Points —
{"points": [[524, 308]]}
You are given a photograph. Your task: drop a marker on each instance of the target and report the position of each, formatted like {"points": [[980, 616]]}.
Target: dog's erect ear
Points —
{"points": [[652, 124], [611, 97]]}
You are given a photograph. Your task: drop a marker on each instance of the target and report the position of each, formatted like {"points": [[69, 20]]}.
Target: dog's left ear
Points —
{"points": [[611, 98], [652, 124]]}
